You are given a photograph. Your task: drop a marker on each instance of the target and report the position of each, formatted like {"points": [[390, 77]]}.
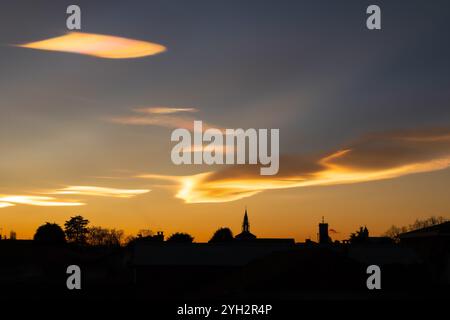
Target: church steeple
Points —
{"points": [[245, 234], [245, 224]]}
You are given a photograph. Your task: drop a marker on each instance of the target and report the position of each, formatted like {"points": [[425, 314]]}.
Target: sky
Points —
{"points": [[364, 116]]}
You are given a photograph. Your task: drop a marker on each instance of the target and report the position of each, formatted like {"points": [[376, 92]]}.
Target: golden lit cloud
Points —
{"points": [[36, 201], [371, 158], [5, 205], [46, 201], [97, 45], [100, 191]]}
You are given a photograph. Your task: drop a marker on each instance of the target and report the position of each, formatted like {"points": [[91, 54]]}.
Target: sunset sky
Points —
{"points": [[86, 117]]}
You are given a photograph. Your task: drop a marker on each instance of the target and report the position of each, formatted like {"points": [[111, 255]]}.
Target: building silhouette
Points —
{"points": [[323, 232], [245, 234]]}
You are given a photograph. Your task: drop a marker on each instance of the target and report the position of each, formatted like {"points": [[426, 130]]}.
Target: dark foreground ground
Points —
{"points": [[30, 271]]}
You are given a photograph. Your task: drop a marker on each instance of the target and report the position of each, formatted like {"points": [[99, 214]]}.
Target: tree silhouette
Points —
{"points": [[431, 221], [394, 231], [360, 236], [222, 235], [50, 233], [76, 229], [115, 237], [98, 236], [181, 238]]}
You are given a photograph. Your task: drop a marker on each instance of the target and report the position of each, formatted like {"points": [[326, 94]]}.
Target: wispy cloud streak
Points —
{"points": [[6, 205], [166, 117], [371, 158], [164, 110], [40, 201], [49, 201], [100, 191]]}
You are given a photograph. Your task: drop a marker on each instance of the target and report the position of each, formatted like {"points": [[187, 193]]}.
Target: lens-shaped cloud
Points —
{"points": [[98, 45], [374, 157], [100, 191]]}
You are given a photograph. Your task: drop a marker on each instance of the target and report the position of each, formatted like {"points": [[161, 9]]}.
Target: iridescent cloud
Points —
{"points": [[164, 110], [162, 117], [166, 122], [97, 45], [374, 157]]}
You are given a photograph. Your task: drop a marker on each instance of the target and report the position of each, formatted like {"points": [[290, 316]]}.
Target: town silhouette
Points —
{"points": [[414, 262]]}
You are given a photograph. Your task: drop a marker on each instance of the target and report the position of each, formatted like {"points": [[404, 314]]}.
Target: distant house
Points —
{"points": [[378, 250], [382, 254], [247, 236], [195, 262], [246, 248], [152, 260], [438, 234], [204, 254], [362, 237], [429, 241], [433, 245]]}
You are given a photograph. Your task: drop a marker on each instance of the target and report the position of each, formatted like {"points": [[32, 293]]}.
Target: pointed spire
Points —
{"points": [[245, 223], [245, 234]]}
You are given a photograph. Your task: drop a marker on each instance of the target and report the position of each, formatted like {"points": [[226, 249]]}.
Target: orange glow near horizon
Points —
{"points": [[199, 203], [97, 45]]}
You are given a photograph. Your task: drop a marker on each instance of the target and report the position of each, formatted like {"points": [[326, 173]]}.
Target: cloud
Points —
{"points": [[162, 117], [11, 200], [373, 157], [6, 205], [162, 121], [164, 110], [46, 201], [100, 191], [97, 45]]}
